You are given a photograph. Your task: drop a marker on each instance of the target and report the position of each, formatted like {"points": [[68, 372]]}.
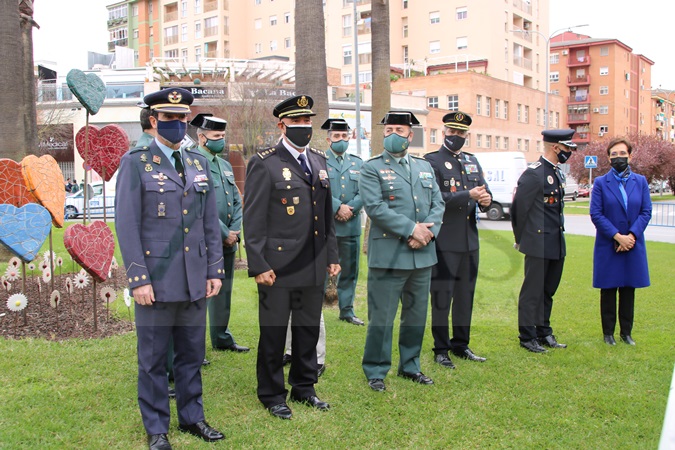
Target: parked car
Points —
{"points": [[571, 188], [74, 206], [584, 192]]}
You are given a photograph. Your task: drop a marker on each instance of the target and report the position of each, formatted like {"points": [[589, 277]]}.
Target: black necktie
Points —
{"points": [[179, 165], [303, 164]]}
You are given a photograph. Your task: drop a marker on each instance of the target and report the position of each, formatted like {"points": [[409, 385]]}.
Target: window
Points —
{"points": [[432, 136], [171, 35], [257, 24], [150, 9], [135, 33], [287, 17], [527, 145], [273, 45], [554, 58], [538, 112], [198, 6], [604, 70], [198, 30], [496, 142], [488, 141], [365, 53], [171, 53], [453, 102], [184, 8], [346, 55], [152, 54], [287, 43], [604, 129], [347, 25], [347, 78], [479, 137], [258, 2], [604, 90], [462, 42], [538, 146], [434, 17], [506, 110], [520, 145], [506, 143], [557, 120], [184, 55], [435, 47], [365, 77], [258, 47], [210, 26], [136, 55], [488, 103], [467, 143], [134, 10], [118, 12], [432, 102], [518, 116], [118, 34], [554, 77], [526, 114], [198, 53], [604, 110], [604, 50], [405, 54], [184, 33], [273, 20], [152, 31], [405, 4], [461, 13], [497, 108], [479, 102]]}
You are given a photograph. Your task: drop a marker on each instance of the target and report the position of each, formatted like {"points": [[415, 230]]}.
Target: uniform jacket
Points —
{"points": [[288, 220], [344, 184], [395, 203], [456, 176], [167, 230], [537, 211], [622, 269], [145, 140], [228, 200]]}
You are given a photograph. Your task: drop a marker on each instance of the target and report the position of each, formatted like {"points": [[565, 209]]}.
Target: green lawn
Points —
{"points": [[82, 394], [582, 205]]}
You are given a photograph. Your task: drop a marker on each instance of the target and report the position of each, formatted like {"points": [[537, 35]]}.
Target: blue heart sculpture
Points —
{"points": [[24, 230], [88, 88]]}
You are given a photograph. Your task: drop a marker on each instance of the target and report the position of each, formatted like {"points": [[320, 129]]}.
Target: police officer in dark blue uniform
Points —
{"points": [[168, 232], [291, 246], [538, 227], [453, 279]]}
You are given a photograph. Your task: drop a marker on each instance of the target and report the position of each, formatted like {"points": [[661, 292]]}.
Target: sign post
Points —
{"points": [[590, 162]]}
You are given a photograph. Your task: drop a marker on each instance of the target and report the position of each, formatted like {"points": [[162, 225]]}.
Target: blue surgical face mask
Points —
{"points": [[215, 145], [395, 143], [339, 146], [172, 130]]}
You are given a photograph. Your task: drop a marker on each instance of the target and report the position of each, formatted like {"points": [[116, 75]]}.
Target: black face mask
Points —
{"points": [[619, 163], [563, 156], [454, 142], [299, 135]]}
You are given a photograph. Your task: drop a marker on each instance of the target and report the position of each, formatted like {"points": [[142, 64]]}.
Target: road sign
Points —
{"points": [[590, 162]]}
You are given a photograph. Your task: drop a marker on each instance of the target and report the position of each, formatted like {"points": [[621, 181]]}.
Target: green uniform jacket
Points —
{"points": [[344, 184], [145, 140], [395, 203], [227, 196]]}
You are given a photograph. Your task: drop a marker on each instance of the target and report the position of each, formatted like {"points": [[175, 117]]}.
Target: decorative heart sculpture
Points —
{"points": [[44, 180], [24, 230], [88, 88], [106, 147], [13, 188], [92, 246]]}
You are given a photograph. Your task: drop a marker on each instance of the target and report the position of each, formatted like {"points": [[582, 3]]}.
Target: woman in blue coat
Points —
{"points": [[620, 210]]}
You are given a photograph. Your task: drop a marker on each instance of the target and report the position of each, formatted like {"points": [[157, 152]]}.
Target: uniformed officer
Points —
{"points": [[343, 171], [290, 245], [211, 140], [453, 279], [167, 228], [538, 226], [402, 199], [149, 133]]}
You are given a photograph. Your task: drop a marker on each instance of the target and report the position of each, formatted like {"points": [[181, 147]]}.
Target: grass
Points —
{"points": [[581, 206], [82, 394]]}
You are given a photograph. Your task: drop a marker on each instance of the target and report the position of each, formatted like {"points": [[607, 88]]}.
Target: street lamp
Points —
{"points": [[548, 58]]}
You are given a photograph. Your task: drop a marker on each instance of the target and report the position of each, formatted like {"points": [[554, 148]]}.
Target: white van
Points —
{"points": [[501, 171]]}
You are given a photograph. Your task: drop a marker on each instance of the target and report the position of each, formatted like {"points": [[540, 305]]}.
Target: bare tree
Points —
{"points": [[381, 71]]}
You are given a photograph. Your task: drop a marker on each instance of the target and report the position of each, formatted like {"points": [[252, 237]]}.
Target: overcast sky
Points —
{"points": [[70, 28]]}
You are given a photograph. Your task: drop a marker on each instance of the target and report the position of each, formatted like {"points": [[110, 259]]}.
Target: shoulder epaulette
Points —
{"points": [[467, 153], [318, 152], [267, 152], [534, 165], [194, 150], [139, 149], [418, 157], [355, 156], [375, 157], [431, 153]]}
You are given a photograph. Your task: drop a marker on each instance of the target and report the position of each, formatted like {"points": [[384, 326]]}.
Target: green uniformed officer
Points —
{"points": [[149, 133], [403, 201], [211, 137]]}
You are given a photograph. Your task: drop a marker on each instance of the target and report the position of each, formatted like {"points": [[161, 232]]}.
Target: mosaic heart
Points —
{"points": [[24, 230], [13, 188], [44, 180], [88, 88], [106, 147], [92, 246]]}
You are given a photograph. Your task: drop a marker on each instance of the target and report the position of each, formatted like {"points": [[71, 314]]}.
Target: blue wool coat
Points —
{"points": [[613, 269]]}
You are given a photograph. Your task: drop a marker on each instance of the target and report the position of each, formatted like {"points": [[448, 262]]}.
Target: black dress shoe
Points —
{"points": [[312, 401], [353, 320], [627, 339], [549, 341], [206, 362], [172, 392], [158, 442], [533, 346], [444, 360], [418, 377], [377, 384], [609, 339], [233, 348], [202, 430], [468, 354], [320, 370], [281, 411], [287, 359]]}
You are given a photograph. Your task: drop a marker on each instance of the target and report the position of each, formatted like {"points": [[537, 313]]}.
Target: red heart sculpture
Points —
{"points": [[44, 180], [92, 246], [106, 147], [13, 190]]}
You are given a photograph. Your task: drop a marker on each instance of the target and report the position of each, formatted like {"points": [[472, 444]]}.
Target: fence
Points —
{"points": [[663, 215]]}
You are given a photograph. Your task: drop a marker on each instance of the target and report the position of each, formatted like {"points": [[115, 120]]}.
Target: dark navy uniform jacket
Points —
{"points": [[537, 211], [288, 220], [456, 175], [168, 231]]}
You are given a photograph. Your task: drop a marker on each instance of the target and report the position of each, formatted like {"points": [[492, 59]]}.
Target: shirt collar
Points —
{"points": [[168, 151], [292, 149]]}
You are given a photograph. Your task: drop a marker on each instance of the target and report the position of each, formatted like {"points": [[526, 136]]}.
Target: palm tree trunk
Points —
{"points": [[28, 78], [381, 71]]}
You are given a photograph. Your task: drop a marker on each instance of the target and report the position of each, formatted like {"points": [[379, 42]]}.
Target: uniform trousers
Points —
{"points": [[453, 283], [385, 288], [320, 345], [155, 325], [535, 303], [626, 310], [274, 308], [348, 249], [219, 307]]}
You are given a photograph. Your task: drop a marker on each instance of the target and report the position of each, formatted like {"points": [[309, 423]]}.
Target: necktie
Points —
{"points": [[339, 160], [179, 165], [404, 163], [305, 168]]}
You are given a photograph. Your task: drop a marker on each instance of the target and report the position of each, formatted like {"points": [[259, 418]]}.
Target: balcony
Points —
{"points": [[116, 22], [579, 62], [523, 62], [525, 7], [522, 34], [583, 80], [363, 26], [117, 43], [578, 118], [171, 16], [575, 99], [210, 31], [210, 5], [170, 40], [582, 138]]}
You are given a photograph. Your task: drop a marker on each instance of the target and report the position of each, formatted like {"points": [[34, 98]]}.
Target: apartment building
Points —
{"points": [[135, 24], [606, 86], [663, 114]]}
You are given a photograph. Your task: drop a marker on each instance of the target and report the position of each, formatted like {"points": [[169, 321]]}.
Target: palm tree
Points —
{"points": [[381, 70], [311, 76]]}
